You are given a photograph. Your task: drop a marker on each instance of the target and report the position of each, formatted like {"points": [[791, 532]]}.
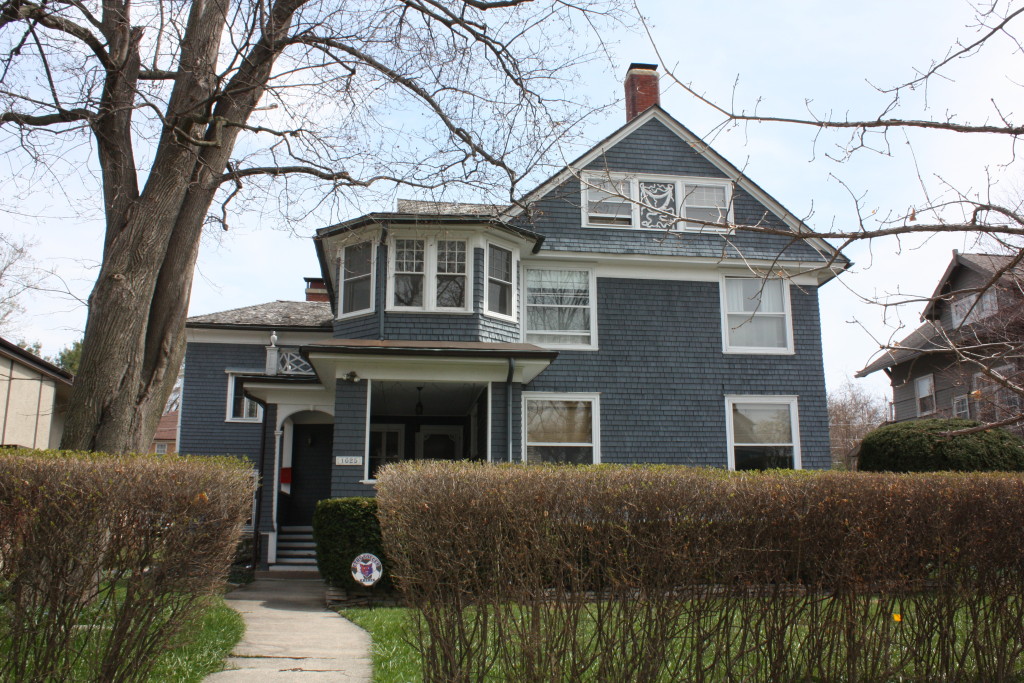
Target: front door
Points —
{"points": [[311, 472]]}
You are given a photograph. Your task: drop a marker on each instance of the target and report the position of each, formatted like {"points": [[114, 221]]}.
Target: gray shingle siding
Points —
{"points": [[349, 438], [653, 148], [663, 381], [499, 422], [204, 430]]}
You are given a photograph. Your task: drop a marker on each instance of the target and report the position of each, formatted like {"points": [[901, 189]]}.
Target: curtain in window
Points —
{"points": [[558, 306], [559, 431], [756, 313], [762, 436]]}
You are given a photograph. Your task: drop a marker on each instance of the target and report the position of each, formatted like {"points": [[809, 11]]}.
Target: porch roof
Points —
{"points": [[409, 347]]}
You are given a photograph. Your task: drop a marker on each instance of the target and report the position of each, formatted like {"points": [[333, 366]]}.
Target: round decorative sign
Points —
{"points": [[367, 569]]}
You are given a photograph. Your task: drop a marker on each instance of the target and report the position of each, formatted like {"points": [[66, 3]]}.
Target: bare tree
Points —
{"points": [[991, 218], [190, 106], [852, 412], [18, 274]]}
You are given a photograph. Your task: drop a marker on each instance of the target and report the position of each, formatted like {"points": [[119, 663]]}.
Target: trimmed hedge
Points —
{"points": [[106, 560], [343, 529], [653, 574], [922, 446]]}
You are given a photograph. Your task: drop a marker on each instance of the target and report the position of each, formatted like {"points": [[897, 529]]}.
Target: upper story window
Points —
{"points": [[429, 274], [500, 281], [763, 432], [924, 393], [756, 315], [356, 280], [656, 202], [560, 307], [972, 308], [240, 408]]}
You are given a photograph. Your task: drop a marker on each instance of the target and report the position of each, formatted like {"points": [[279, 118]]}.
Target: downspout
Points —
{"points": [[259, 491], [508, 406], [381, 282]]}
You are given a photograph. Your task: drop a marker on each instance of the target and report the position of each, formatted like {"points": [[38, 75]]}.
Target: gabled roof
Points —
{"points": [[702, 148], [920, 341], [986, 265], [167, 428], [29, 359], [301, 315]]}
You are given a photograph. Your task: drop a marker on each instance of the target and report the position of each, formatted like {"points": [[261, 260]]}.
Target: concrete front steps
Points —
{"points": [[296, 554]]}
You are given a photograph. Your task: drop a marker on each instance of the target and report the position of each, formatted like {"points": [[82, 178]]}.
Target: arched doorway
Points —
{"points": [[312, 441]]}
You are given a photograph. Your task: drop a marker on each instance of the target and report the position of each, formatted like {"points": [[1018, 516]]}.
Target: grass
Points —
{"points": [[206, 644], [395, 660]]}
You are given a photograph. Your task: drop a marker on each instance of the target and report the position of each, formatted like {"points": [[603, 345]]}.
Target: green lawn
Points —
{"points": [[394, 658], [206, 646]]}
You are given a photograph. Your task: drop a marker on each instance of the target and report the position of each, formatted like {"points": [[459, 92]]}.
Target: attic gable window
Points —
{"points": [[972, 308], [649, 202]]}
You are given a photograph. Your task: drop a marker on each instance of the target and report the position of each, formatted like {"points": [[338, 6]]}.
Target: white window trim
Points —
{"points": [[595, 417], [373, 281], [794, 420], [429, 275], [789, 349], [918, 396], [592, 276], [228, 417], [972, 308], [157, 446], [588, 178], [966, 404], [380, 427], [514, 307]]}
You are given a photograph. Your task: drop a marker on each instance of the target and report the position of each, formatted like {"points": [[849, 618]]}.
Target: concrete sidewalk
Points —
{"points": [[291, 636]]}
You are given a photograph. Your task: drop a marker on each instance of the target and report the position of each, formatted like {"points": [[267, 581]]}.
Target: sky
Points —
{"points": [[784, 57]]}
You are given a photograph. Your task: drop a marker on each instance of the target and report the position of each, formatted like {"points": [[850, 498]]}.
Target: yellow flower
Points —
{"points": [[897, 617]]}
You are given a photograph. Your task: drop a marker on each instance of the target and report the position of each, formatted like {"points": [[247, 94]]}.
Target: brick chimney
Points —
{"points": [[641, 89], [316, 289]]}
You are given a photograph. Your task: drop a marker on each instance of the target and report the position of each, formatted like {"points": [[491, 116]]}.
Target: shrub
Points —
{"points": [[650, 574], [104, 560], [343, 529], [922, 446]]}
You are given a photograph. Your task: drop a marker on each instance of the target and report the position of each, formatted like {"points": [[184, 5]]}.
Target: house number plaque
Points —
{"points": [[348, 460]]}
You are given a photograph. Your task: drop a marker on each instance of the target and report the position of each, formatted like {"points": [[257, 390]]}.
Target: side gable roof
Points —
{"points": [[31, 360], [699, 146]]}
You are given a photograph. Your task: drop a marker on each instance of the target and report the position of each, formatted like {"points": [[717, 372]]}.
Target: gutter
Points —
{"points": [[508, 406]]}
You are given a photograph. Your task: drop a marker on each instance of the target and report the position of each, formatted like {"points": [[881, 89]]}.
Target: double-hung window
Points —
{"points": [[993, 400], [561, 428], [924, 393], [560, 307], [756, 315], [763, 432], [972, 308], [500, 282], [240, 408], [656, 202], [356, 278], [429, 274]]}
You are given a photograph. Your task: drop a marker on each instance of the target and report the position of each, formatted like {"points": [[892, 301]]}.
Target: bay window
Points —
{"points": [[756, 315], [560, 307], [500, 287], [763, 432], [429, 274], [356, 278], [561, 428]]}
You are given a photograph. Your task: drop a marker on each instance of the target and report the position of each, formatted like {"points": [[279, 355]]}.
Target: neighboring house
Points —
{"points": [[33, 397], [610, 316], [166, 438], [970, 336]]}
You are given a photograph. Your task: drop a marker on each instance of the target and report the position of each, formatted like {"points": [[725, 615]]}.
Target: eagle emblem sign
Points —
{"points": [[367, 569]]}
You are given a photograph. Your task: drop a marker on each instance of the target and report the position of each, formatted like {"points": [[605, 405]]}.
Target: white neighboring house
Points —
{"points": [[33, 397]]}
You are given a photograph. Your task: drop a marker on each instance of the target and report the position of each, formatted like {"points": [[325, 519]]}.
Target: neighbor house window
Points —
{"points": [[561, 428], [429, 274], [756, 315], [499, 280], [972, 308], [763, 432], [357, 278], [993, 401], [961, 408], [924, 392], [160, 448], [656, 202], [240, 408], [560, 307]]}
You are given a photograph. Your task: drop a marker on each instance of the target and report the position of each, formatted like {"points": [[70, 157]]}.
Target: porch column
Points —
{"points": [[272, 549]]}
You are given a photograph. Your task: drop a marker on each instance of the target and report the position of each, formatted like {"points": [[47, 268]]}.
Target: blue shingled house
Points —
{"points": [[613, 315]]}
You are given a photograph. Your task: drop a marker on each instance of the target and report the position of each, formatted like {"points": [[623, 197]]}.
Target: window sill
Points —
{"points": [[435, 311], [356, 314], [240, 420], [369, 482], [680, 231], [499, 316], [563, 347], [758, 352]]}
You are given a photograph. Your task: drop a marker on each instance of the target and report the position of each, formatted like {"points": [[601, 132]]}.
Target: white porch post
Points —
{"points": [[272, 549]]}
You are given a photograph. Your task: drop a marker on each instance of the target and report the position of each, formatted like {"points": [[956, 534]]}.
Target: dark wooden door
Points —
{"points": [[311, 472]]}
